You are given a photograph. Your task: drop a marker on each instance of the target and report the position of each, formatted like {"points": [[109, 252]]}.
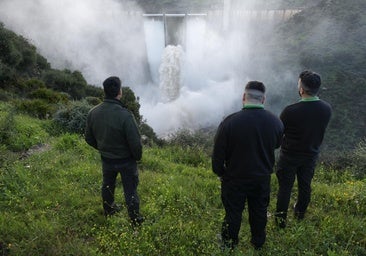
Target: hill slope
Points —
{"points": [[50, 205]]}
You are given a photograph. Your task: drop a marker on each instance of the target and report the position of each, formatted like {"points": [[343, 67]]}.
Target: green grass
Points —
{"points": [[50, 204]]}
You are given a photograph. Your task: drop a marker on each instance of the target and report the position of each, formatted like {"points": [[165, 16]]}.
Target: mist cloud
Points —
{"points": [[97, 37], [102, 38]]}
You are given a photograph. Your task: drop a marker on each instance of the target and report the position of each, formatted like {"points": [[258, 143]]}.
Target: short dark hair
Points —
{"points": [[310, 82], [255, 85], [112, 86]]}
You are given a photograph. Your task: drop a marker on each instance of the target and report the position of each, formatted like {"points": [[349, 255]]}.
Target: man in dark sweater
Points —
{"points": [[112, 129], [305, 123], [243, 158]]}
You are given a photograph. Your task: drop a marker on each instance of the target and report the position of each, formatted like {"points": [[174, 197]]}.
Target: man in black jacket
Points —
{"points": [[305, 123], [112, 129], [243, 158]]}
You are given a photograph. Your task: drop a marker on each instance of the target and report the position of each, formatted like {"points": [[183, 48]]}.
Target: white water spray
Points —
{"points": [[170, 73], [102, 38]]}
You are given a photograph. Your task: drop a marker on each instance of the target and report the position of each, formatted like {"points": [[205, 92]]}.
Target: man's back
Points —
{"points": [[114, 130], [305, 123], [249, 137]]}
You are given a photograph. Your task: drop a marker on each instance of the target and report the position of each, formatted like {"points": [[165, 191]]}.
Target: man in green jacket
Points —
{"points": [[112, 130]]}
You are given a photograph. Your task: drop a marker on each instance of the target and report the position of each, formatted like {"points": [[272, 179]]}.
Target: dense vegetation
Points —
{"points": [[50, 179]]}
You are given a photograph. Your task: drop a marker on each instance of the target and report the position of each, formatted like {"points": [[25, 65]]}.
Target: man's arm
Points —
{"points": [[89, 136], [219, 152], [133, 138]]}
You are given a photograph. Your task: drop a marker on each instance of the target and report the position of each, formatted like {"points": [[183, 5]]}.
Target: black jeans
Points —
{"points": [[234, 195], [130, 180], [288, 169]]}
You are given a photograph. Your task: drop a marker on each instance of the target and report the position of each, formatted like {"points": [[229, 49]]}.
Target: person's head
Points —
{"points": [[309, 83], [254, 93], [112, 87]]}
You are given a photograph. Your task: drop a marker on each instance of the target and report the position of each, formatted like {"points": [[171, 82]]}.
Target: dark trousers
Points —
{"points": [[288, 169], [234, 195], [130, 180]]}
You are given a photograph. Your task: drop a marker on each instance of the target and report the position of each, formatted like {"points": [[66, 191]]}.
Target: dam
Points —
{"points": [[189, 32]]}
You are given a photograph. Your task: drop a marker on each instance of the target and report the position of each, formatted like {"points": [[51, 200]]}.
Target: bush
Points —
{"points": [[7, 74], [73, 83], [354, 161], [130, 102], [49, 95], [202, 139], [36, 107], [93, 100], [72, 117], [148, 135], [34, 83], [5, 95], [94, 91]]}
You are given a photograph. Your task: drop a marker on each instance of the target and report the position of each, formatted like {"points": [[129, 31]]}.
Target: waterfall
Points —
{"points": [[170, 73]]}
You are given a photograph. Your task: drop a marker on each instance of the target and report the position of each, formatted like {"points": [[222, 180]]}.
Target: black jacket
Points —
{"points": [[244, 144], [112, 130], [305, 123]]}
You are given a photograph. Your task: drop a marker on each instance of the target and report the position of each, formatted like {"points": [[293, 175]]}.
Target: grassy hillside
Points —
{"points": [[50, 203]]}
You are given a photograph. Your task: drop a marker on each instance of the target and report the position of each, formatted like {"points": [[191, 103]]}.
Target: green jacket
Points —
{"points": [[112, 129]]}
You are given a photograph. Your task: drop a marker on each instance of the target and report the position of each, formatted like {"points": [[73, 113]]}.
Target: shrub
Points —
{"points": [[354, 160], [36, 107], [49, 95], [130, 102], [5, 95], [148, 135], [72, 83], [6, 74], [34, 83], [94, 91], [73, 116], [93, 100], [193, 139]]}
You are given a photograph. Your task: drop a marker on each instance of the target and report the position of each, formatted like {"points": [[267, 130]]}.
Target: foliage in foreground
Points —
{"points": [[50, 205]]}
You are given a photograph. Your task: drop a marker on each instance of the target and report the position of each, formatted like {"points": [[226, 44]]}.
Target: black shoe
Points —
{"points": [[257, 247], [115, 208], [298, 215], [280, 222], [136, 222], [280, 219], [226, 245]]}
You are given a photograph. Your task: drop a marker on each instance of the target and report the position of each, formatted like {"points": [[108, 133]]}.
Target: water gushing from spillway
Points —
{"points": [[170, 73], [192, 79]]}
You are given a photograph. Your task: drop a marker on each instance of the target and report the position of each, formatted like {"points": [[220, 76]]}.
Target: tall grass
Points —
{"points": [[50, 204]]}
